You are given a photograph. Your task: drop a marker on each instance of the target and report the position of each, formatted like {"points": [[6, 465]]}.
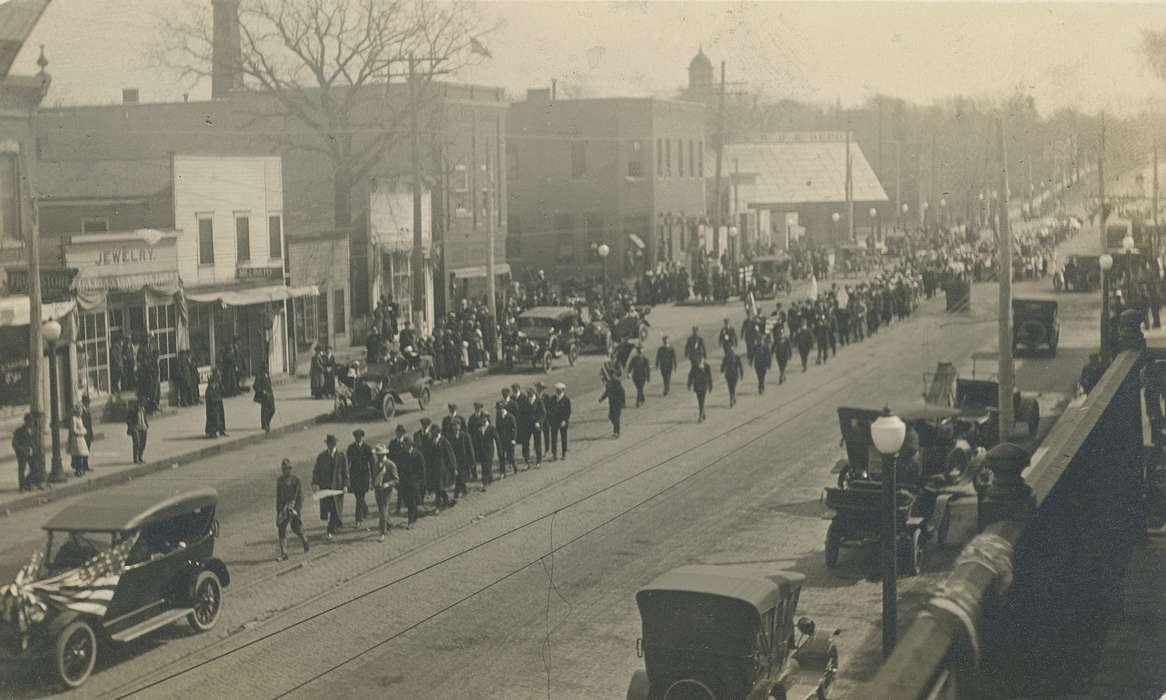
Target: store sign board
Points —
{"points": [[265, 273], [128, 262], [55, 283]]}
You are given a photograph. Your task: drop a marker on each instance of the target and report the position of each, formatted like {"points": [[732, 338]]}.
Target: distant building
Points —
{"points": [[628, 172]]}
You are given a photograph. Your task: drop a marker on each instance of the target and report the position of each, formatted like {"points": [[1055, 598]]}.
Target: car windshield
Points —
{"points": [[69, 549]]}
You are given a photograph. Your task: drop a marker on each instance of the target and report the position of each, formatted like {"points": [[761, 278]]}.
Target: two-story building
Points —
{"points": [[628, 172]]}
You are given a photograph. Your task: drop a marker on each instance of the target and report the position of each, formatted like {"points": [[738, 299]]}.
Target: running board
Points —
{"points": [[147, 626]]}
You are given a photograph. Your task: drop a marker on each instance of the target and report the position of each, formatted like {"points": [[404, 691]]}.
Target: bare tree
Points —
{"points": [[325, 68]]}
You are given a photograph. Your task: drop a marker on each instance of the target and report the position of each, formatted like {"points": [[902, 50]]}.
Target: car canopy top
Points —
{"points": [[124, 511], [760, 591], [558, 313]]}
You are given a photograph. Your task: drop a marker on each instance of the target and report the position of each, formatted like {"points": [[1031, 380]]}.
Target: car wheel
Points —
{"points": [[388, 407], [572, 355], [546, 362], [75, 653], [424, 398], [833, 545], [911, 549], [206, 602]]}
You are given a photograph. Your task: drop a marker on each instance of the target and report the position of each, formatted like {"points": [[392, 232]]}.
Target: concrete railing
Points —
{"points": [[1024, 594]]}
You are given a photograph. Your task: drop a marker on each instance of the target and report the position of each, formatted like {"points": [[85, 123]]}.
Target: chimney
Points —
{"points": [[227, 51], [129, 96]]}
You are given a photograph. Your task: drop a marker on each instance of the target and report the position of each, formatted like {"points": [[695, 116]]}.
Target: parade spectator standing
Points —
{"points": [[216, 419], [383, 478], [559, 417], [129, 375], [700, 381], [732, 369], [137, 425], [666, 363], [289, 503], [24, 445], [613, 393], [507, 438], [640, 372], [78, 445], [762, 361], [463, 452], [331, 472], [694, 347], [411, 467], [265, 397], [360, 463], [329, 372], [116, 369], [316, 373], [487, 440], [87, 421]]}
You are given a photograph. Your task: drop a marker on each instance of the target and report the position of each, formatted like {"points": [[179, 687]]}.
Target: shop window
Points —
{"points": [[199, 331], [163, 321], [338, 309], [93, 352], [274, 237], [578, 159], [206, 240], [635, 160], [461, 178], [242, 238], [95, 225], [9, 198], [680, 157]]}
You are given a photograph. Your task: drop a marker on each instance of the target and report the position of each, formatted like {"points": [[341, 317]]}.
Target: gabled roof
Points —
{"points": [[17, 18], [101, 179], [802, 172]]}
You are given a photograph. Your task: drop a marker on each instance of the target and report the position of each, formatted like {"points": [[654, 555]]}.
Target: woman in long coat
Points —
{"points": [[265, 397], [216, 418], [78, 445], [316, 373]]}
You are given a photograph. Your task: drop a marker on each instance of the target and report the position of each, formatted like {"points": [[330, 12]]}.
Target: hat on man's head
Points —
{"points": [[401, 430], [477, 405], [380, 450], [560, 386], [425, 422], [358, 433], [330, 439], [539, 385], [452, 406]]}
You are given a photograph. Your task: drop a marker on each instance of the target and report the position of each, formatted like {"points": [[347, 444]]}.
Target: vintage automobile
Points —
{"points": [[115, 567], [943, 467], [983, 395], [722, 632], [543, 334], [1080, 273], [629, 332], [596, 336], [771, 275], [379, 386], [1035, 325]]}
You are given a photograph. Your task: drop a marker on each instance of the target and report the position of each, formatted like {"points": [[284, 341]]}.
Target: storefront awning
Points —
{"points": [[465, 273], [257, 295], [637, 240], [16, 311]]}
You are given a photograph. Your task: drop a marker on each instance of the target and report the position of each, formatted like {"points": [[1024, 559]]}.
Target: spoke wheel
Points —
{"points": [[76, 653], [833, 545], [424, 398], [207, 602], [388, 407]]}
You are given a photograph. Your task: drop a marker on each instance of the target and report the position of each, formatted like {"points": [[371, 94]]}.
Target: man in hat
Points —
{"points": [[558, 416], [384, 477], [507, 436], [360, 463], [694, 346], [530, 419], [451, 418], [464, 457], [473, 427], [614, 394], [544, 400], [732, 369], [137, 427], [727, 338], [411, 467], [640, 372], [396, 451], [486, 439], [666, 363], [289, 503], [700, 381], [330, 472], [440, 466]]}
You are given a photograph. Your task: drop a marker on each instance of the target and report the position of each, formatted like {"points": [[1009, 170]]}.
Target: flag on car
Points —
{"points": [[88, 588]]}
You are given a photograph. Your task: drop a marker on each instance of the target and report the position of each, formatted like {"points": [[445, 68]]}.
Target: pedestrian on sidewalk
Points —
{"points": [[265, 397], [360, 463], [558, 417], [640, 371], [666, 363], [487, 441], [289, 503], [24, 445], [411, 466], [216, 417], [700, 381], [732, 369], [137, 425], [463, 452], [329, 372], [614, 394], [507, 438], [316, 373], [87, 421], [78, 446], [385, 476], [331, 472], [762, 360]]}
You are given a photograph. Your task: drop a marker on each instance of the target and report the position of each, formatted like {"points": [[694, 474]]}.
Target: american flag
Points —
{"points": [[90, 587], [20, 606]]}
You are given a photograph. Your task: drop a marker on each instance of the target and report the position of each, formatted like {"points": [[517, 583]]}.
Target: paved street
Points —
{"points": [[528, 590]]}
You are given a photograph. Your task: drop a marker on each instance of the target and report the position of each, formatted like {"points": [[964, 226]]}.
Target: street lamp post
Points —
{"points": [[903, 218], [873, 230], [943, 210], [604, 250], [1105, 262], [887, 433], [51, 332], [834, 219]]}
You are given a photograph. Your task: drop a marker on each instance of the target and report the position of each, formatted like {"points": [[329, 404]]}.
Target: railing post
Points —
{"points": [[1007, 497]]}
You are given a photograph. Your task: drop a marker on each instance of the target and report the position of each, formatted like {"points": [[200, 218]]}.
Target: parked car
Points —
{"points": [[115, 567], [718, 632], [1081, 273], [771, 275], [1035, 324], [543, 334]]}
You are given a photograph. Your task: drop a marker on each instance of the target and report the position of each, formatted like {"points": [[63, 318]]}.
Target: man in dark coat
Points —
{"points": [[727, 338], [732, 369], [762, 360], [451, 418], [24, 445], [216, 417], [464, 457], [544, 400], [265, 397], [782, 352], [360, 463], [700, 381], [640, 372], [805, 343], [666, 363], [289, 504], [116, 370], [473, 427], [316, 373], [331, 472], [507, 436], [411, 467], [442, 451], [558, 417], [694, 346], [613, 393], [750, 333], [822, 338], [486, 441], [137, 427], [530, 418]]}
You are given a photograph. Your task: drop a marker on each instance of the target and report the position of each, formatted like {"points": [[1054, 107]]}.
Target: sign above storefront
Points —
{"points": [[55, 283], [257, 273], [126, 261]]}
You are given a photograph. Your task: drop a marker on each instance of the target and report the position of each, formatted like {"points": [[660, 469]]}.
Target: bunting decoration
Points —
{"points": [[90, 587], [20, 606]]}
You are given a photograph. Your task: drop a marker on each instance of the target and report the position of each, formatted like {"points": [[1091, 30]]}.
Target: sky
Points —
{"points": [[1063, 54]]}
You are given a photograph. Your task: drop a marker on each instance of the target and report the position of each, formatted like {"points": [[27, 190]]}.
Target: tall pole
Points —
{"points": [[1155, 237], [720, 153], [899, 182], [490, 226], [1105, 280], [932, 193], [1004, 372], [736, 221], [415, 158], [35, 341], [888, 542], [849, 188]]}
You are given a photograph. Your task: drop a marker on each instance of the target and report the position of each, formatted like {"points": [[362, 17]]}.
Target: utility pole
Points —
{"points": [[1004, 240], [1155, 238], [849, 188], [932, 194], [415, 158], [491, 181], [717, 179], [35, 341], [1101, 215], [899, 182]]}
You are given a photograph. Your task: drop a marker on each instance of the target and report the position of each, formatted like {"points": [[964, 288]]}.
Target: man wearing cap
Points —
{"points": [[289, 503], [614, 394], [558, 417], [383, 478], [448, 421], [666, 363], [507, 435], [694, 347], [727, 338], [700, 381], [640, 372], [473, 427], [360, 463], [330, 472]]}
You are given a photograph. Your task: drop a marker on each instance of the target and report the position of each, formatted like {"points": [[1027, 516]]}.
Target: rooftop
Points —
{"points": [[803, 168]]}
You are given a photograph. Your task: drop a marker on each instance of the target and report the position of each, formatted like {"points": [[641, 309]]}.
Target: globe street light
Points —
{"points": [[942, 209], [887, 433], [51, 332], [1105, 262], [604, 250], [834, 218]]}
